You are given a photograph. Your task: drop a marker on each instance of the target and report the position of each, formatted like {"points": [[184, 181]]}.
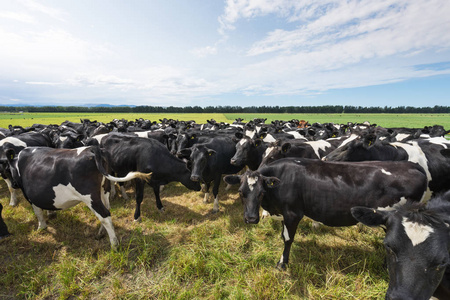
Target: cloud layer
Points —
{"points": [[300, 48]]}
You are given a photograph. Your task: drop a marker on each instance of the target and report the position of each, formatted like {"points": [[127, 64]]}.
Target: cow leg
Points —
{"points": [[156, 190], [205, 188], [13, 192], [217, 181], [123, 191], [103, 214], [139, 197], [3, 228], [40, 216], [287, 234], [105, 196]]}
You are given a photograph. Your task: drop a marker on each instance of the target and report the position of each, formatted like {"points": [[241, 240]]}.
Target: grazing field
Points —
{"points": [[187, 252], [385, 120]]}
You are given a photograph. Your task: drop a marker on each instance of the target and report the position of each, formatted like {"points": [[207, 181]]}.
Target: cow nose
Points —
{"points": [[195, 178], [251, 220], [233, 161]]}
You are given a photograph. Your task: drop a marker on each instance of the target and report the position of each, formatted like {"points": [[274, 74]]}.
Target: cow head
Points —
{"points": [[243, 149], [417, 245], [10, 168], [199, 155], [253, 187]]}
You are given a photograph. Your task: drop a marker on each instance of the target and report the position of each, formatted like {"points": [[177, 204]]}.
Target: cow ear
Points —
{"points": [[239, 135], [232, 179], [285, 148], [369, 216], [258, 143], [193, 136], [262, 135], [272, 182], [10, 153], [211, 152]]}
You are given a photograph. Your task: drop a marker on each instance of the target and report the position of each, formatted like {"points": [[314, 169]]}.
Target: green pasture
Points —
{"points": [[385, 120]]}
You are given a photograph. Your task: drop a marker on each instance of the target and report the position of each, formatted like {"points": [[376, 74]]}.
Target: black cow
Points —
{"points": [[54, 179], [324, 191], [126, 154], [210, 161], [417, 246]]}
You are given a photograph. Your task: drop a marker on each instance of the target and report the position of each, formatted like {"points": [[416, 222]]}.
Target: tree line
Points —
{"points": [[328, 109]]}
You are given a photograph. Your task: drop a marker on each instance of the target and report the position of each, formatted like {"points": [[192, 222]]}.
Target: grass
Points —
{"points": [[184, 253]]}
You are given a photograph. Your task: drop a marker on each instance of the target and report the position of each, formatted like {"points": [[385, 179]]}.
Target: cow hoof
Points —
{"points": [[281, 266], [138, 220], [215, 211], [4, 237], [315, 226], [162, 209]]}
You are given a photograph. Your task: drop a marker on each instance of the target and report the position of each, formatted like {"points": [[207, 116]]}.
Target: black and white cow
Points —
{"points": [[424, 151], [54, 179], [209, 161], [417, 246], [324, 191], [126, 154]]}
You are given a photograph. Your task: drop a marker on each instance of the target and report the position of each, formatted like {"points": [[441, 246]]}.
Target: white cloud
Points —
{"points": [[21, 17]]}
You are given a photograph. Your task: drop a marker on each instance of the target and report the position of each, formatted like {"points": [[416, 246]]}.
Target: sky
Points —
{"points": [[225, 53]]}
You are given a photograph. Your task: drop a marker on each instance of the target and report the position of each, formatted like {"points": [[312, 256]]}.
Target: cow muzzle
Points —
{"points": [[251, 220]]}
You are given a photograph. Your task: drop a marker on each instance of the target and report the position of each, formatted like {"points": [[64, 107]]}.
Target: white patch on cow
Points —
{"points": [[12, 140], [441, 141], [416, 155], [348, 140], [265, 214], [286, 234], [34, 150], [201, 127], [385, 172], [296, 135], [250, 133], [142, 134], [416, 232], [258, 128], [80, 149], [99, 137], [67, 196], [281, 259], [401, 136], [251, 181], [318, 145], [242, 142], [205, 199], [395, 206], [63, 138], [269, 139], [268, 151]]}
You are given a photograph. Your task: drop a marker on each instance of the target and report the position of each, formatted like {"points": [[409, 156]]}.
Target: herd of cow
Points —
{"points": [[339, 175]]}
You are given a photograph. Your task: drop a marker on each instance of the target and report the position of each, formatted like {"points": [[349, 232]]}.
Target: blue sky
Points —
{"points": [[234, 52]]}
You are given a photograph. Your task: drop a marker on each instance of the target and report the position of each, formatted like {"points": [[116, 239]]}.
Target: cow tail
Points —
{"points": [[100, 157]]}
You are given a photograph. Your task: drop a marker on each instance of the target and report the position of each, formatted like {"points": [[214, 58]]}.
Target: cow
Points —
{"points": [[209, 161], [424, 151], [129, 153], [417, 244], [55, 179], [324, 191]]}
